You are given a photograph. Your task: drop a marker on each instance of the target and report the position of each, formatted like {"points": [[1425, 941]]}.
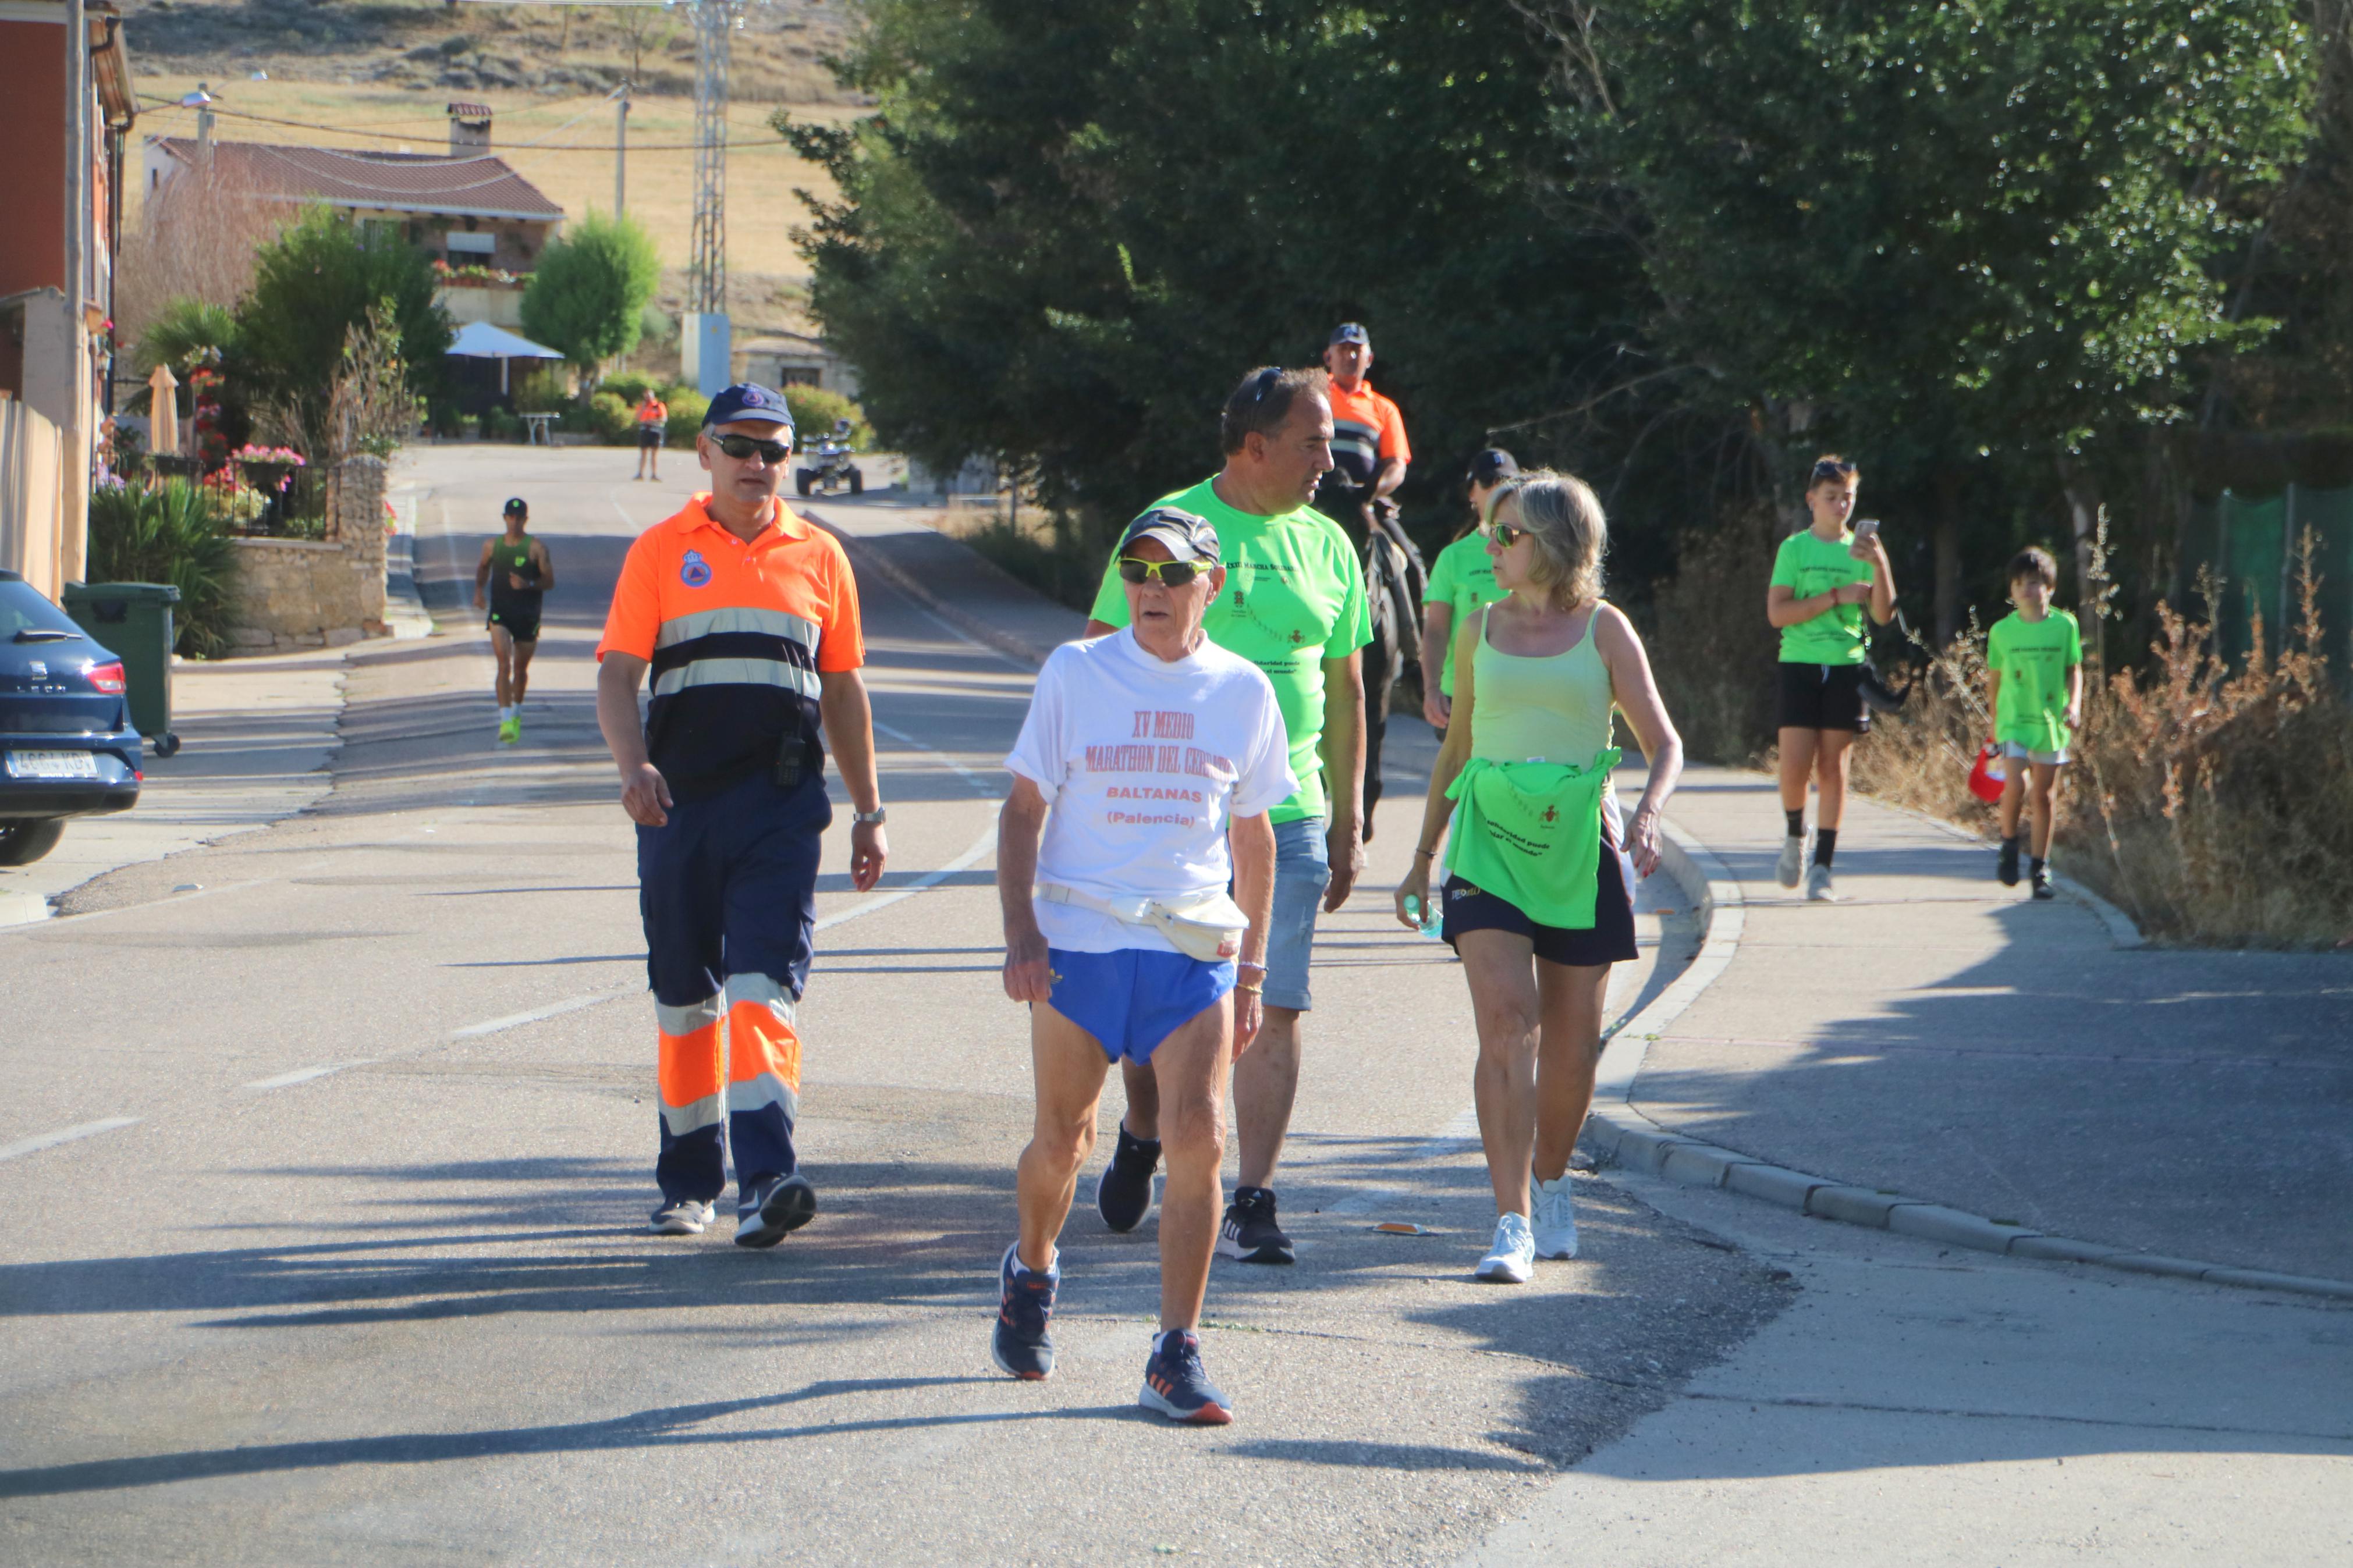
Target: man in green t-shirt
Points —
{"points": [[2034, 669], [1293, 605]]}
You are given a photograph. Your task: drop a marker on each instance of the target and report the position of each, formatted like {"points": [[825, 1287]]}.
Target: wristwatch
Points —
{"points": [[879, 814]]}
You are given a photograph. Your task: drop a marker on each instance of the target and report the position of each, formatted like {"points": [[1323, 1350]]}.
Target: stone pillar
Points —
{"points": [[355, 521]]}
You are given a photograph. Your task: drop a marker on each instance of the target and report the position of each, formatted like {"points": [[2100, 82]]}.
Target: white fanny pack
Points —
{"points": [[1207, 926]]}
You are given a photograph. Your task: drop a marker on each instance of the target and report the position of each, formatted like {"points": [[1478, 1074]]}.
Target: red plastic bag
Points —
{"points": [[1986, 779]]}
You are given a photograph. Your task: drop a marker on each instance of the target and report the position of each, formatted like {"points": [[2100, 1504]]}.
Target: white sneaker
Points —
{"points": [[1793, 859], [1556, 1226], [684, 1217], [1818, 885], [1514, 1257]]}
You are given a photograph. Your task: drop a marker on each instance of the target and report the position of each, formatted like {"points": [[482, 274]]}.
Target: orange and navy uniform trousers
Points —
{"points": [[735, 635]]}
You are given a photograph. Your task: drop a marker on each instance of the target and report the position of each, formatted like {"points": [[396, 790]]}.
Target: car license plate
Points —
{"points": [[52, 765]]}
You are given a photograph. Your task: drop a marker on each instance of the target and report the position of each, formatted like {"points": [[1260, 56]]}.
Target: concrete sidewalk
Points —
{"points": [[1938, 1035]]}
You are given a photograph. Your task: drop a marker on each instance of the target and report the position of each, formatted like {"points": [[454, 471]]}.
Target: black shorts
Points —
{"points": [[520, 624], [1823, 696], [649, 436], [1611, 940]]}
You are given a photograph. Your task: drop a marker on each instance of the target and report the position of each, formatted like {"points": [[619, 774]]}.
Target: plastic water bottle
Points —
{"points": [[1425, 919]]}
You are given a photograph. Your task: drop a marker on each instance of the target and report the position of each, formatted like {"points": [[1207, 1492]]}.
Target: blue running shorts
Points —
{"points": [[1133, 999]]}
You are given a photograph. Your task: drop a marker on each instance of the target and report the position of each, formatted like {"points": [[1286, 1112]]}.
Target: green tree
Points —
{"points": [[1941, 234], [311, 285], [182, 332], [1073, 225], [589, 294]]}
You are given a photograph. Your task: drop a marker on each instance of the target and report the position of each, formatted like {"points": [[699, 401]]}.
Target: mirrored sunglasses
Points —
{"points": [[1167, 574]]}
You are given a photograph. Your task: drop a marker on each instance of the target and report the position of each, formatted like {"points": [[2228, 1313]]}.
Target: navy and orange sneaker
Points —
{"points": [[1177, 1385], [1025, 1301]]}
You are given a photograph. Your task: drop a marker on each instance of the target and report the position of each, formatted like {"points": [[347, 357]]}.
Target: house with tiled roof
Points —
{"points": [[467, 209]]}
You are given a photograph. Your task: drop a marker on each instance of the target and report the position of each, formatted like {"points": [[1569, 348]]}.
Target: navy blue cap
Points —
{"points": [[1349, 332], [1493, 467], [1188, 535], [515, 504], [748, 400]]}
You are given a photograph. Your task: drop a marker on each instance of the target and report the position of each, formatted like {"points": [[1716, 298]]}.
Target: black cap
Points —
{"points": [[1493, 467], [515, 504], [1349, 332], [1188, 535], [748, 400]]}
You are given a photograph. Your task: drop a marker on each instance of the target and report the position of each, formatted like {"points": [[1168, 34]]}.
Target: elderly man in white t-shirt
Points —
{"points": [[1141, 786]]}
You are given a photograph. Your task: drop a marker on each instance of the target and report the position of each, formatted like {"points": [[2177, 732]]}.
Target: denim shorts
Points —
{"points": [[1302, 869], [2017, 752], [1133, 999]]}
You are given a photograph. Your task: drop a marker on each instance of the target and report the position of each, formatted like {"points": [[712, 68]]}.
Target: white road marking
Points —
{"points": [[553, 1009], [980, 846], [288, 1080], [51, 1139]]}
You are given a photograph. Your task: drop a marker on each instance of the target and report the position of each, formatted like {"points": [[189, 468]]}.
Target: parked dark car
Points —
{"points": [[67, 747]]}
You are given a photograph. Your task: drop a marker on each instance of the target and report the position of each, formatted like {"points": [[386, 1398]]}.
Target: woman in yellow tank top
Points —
{"points": [[1537, 676]]}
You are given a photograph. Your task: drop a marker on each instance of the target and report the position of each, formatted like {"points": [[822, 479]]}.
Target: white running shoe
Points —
{"points": [[1793, 859], [1555, 1218], [1818, 884], [1514, 1257], [684, 1217]]}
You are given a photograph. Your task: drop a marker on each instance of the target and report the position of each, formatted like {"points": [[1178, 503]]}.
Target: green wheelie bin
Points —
{"points": [[133, 622]]}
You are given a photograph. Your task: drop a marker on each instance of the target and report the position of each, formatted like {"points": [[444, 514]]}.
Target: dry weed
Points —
{"points": [[1712, 649], [2218, 806]]}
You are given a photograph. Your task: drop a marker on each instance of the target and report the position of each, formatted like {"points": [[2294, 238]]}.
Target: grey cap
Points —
{"points": [[1188, 537]]}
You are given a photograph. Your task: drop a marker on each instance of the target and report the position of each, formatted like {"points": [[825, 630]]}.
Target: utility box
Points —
{"points": [[706, 351], [134, 621]]}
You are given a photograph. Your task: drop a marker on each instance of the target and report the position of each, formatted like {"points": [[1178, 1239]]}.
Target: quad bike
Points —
{"points": [[832, 467]]}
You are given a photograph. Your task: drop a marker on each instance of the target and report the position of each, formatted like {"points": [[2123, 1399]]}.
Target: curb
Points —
{"points": [[1617, 1134], [404, 609]]}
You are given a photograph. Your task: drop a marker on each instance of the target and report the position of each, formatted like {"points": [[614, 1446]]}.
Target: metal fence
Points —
{"points": [[2251, 545]]}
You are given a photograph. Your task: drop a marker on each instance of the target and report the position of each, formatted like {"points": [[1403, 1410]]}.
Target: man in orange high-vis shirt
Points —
{"points": [[747, 618], [653, 424]]}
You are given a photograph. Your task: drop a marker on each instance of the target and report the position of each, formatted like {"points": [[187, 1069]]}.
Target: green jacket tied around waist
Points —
{"points": [[1530, 832]]}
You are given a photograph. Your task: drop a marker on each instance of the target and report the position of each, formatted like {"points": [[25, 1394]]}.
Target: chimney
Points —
{"points": [[469, 128]]}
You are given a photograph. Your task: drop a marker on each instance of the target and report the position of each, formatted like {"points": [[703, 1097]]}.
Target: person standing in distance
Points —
{"points": [[1293, 605], [653, 426], [1461, 579], [1160, 755], [1539, 866], [2034, 680], [516, 568], [1822, 579], [747, 618]]}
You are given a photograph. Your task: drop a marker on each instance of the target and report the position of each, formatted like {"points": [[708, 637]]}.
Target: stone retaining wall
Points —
{"points": [[300, 593]]}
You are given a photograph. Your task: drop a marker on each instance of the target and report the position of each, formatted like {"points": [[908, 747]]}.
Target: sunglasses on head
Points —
{"points": [[1167, 574], [741, 446], [1833, 469]]}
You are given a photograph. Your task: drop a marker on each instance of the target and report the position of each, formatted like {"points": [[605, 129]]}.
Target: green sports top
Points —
{"points": [[1294, 596], [1553, 708], [2032, 658], [513, 556], [1464, 577], [1808, 564]]}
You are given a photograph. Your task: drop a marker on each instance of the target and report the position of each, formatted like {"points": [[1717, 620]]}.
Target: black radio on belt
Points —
{"points": [[798, 756]]}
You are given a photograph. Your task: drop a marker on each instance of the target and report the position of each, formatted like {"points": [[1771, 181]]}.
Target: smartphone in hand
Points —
{"points": [[1865, 530]]}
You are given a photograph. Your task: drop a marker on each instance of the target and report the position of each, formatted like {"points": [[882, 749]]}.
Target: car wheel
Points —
{"points": [[857, 483], [22, 843]]}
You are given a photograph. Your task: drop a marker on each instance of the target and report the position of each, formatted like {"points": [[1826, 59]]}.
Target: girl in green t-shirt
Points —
{"points": [[2034, 680], [1824, 580], [1461, 580]]}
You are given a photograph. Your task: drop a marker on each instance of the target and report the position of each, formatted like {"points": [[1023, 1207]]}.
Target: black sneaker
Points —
{"points": [[2042, 887], [2008, 870], [1124, 1192], [1178, 1386], [1250, 1234], [1025, 1301], [773, 1209]]}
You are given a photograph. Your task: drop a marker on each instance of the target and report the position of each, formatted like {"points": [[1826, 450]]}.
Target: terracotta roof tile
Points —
{"points": [[480, 185]]}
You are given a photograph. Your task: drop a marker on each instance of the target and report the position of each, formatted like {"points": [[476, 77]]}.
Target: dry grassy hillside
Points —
{"points": [[378, 74]]}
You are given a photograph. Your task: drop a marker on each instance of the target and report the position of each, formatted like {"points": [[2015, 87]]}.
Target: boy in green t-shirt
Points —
{"points": [[2034, 669]]}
